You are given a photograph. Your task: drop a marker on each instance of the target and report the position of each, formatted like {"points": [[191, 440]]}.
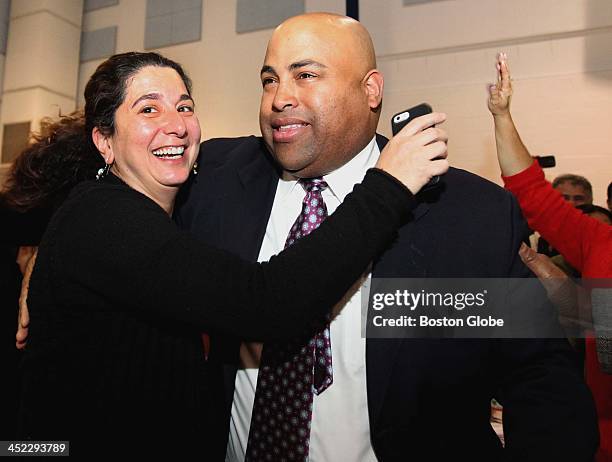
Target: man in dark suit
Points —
{"points": [[390, 399]]}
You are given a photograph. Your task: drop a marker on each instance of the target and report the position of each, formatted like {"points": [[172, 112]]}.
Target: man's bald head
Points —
{"points": [[322, 92], [347, 36]]}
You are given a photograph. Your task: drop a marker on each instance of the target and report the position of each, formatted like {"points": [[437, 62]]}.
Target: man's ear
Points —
{"points": [[104, 145], [374, 83]]}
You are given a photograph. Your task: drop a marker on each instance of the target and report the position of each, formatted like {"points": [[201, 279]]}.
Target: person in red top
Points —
{"points": [[585, 242]]}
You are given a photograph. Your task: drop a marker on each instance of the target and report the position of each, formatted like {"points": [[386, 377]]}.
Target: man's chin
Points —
{"points": [[299, 171], [289, 158]]}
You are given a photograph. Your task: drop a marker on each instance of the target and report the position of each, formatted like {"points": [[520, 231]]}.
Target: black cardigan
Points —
{"points": [[119, 295]]}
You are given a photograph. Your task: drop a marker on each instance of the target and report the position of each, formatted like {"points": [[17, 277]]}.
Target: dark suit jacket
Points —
{"points": [[428, 399]]}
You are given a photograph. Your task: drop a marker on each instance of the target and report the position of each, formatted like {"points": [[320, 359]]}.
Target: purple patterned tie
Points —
{"points": [[291, 372]]}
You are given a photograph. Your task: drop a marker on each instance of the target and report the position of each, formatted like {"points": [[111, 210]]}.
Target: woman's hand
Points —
{"points": [[26, 261], [500, 93], [512, 154], [417, 153]]}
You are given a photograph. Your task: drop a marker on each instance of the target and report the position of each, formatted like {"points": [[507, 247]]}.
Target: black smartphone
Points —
{"points": [[399, 120], [546, 161]]}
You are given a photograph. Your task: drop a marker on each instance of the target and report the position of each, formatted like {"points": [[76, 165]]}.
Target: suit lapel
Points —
{"points": [[245, 192], [247, 206]]}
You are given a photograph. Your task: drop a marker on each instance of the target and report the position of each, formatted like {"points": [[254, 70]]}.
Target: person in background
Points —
{"points": [[585, 242], [597, 212], [27, 200], [575, 189], [37, 183], [594, 211], [10, 283]]}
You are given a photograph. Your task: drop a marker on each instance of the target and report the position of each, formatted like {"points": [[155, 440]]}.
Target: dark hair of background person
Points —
{"points": [[63, 153], [610, 191], [574, 180], [590, 208], [43, 174]]}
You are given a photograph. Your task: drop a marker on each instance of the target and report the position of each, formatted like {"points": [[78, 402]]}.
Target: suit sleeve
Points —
{"points": [[130, 253], [548, 409]]}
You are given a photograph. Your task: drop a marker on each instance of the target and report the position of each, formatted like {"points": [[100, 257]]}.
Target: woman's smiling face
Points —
{"points": [[157, 133]]}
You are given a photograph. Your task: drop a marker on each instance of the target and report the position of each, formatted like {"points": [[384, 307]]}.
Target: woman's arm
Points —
{"points": [[512, 154], [567, 229], [115, 244]]}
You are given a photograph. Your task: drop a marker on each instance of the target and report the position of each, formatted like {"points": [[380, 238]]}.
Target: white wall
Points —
{"points": [[224, 66], [560, 54], [41, 64]]}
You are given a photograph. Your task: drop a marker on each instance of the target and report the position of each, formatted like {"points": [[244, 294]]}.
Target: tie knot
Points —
{"points": [[313, 184]]}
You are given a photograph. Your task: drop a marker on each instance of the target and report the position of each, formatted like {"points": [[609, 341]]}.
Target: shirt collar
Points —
{"points": [[342, 180]]}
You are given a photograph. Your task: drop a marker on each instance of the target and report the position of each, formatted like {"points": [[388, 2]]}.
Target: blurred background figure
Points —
{"points": [[585, 242], [575, 189], [594, 211], [597, 212], [27, 200], [10, 283]]}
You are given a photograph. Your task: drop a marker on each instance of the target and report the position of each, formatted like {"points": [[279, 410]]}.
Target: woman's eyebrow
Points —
{"points": [[147, 96]]}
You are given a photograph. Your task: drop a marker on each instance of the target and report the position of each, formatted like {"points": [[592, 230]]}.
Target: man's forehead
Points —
{"points": [[329, 39], [294, 52], [291, 55], [568, 185]]}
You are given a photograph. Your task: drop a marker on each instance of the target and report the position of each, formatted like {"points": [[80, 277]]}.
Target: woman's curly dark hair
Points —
{"points": [[63, 153], [57, 158]]}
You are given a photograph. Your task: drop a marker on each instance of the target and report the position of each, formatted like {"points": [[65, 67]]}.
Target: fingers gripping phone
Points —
{"points": [[399, 120]]}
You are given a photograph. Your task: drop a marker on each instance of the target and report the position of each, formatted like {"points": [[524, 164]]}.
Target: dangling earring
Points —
{"points": [[103, 171], [194, 169]]}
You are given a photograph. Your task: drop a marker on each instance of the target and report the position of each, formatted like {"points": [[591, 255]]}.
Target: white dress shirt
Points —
{"points": [[340, 427]]}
